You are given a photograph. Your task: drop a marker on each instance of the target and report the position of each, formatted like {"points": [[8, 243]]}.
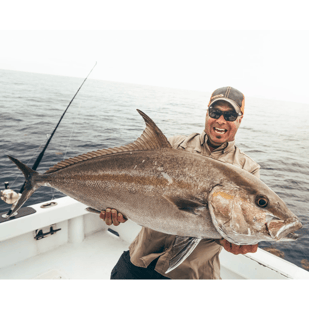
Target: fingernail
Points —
{"points": [[114, 211], [108, 210], [119, 215]]}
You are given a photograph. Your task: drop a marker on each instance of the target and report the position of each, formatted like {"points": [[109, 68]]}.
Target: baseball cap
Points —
{"points": [[230, 95]]}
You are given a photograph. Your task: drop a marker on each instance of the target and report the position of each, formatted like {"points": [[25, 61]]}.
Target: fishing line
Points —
{"points": [[72, 131], [53, 190], [40, 156]]}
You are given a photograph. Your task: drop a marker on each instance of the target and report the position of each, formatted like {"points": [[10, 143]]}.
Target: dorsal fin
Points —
{"points": [[152, 138]]}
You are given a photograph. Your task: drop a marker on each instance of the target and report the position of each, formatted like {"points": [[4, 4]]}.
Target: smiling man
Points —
{"points": [[149, 254], [223, 129]]}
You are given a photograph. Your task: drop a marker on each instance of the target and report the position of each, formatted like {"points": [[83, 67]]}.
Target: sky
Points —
{"points": [[262, 50], [260, 63]]}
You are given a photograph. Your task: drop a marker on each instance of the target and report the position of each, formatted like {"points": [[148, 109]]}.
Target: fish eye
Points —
{"points": [[261, 201]]}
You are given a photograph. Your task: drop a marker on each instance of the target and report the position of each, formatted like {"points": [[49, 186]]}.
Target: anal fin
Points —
{"points": [[183, 246]]}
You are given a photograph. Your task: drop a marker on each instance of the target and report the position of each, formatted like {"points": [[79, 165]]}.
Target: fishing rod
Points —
{"points": [[40, 156]]}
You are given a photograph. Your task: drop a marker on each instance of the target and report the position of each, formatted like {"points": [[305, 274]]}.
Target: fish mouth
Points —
{"points": [[283, 230]]}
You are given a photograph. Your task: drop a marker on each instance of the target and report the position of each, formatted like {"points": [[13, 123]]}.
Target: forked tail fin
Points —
{"points": [[30, 187]]}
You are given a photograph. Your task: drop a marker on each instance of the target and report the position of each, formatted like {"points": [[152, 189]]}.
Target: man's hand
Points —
{"points": [[111, 216], [235, 249]]}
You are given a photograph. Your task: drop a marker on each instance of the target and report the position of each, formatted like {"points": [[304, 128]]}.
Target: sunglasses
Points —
{"points": [[228, 116]]}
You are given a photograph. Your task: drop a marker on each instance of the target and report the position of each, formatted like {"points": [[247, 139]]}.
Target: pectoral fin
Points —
{"points": [[191, 205], [182, 248]]}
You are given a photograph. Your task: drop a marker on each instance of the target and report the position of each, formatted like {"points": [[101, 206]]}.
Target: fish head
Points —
{"points": [[246, 216]]}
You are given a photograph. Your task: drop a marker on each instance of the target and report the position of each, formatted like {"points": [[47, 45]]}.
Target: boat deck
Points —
{"points": [[94, 258]]}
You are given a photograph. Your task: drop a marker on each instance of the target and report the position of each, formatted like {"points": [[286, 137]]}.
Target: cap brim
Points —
{"points": [[234, 105]]}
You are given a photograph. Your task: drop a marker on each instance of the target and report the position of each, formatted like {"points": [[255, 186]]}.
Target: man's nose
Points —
{"points": [[221, 120]]}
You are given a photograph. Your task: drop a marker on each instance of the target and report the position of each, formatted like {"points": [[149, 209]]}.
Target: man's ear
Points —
{"points": [[240, 118]]}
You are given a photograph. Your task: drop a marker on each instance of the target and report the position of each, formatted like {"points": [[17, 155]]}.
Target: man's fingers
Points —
{"points": [[103, 215], [121, 219], [244, 249], [111, 216], [108, 219], [254, 248], [250, 249], [236, 249], [226, 245], [114, 216]]}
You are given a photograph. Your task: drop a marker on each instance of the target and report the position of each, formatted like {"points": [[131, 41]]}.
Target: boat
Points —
{"points": [[59, 239]]}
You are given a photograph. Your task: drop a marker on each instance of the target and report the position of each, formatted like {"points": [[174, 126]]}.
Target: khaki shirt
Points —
{"points": [[203, 262]]}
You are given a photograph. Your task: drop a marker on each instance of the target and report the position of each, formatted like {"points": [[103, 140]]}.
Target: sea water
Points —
{"points": [[103, 115]]}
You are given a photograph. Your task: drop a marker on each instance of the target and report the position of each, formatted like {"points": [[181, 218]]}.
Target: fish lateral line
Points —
{"points": [[127, 178]]}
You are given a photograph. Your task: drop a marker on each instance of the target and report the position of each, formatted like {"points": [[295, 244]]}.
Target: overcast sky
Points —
{"points": [[38, 36], [267, 64]]}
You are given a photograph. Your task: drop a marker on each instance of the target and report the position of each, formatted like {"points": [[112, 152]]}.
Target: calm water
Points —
{"points": [[274, 134]]}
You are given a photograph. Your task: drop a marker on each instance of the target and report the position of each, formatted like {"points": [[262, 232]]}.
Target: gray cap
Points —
{"points": [[230, 95]]}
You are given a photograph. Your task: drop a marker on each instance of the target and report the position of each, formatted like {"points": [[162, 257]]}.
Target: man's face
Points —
{"points": [[219, 130]]}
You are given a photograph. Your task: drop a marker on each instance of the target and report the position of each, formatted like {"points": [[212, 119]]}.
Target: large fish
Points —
{"points": [[171, 191]]}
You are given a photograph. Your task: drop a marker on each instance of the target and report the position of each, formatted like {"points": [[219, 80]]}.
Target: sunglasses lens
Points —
{"points": [[228, 116], [214, 113]]}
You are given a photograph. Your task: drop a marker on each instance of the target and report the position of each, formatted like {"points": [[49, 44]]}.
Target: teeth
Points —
{"points": [[221, 131]]}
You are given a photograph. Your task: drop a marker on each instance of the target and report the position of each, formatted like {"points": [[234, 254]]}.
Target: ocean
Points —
{"points": [[103, 115]]}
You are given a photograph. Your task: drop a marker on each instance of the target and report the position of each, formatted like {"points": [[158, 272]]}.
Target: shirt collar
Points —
{"points": [[225, 147]]}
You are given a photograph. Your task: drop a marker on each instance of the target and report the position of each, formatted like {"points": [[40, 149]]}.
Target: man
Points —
{"points": [[149, 254]]}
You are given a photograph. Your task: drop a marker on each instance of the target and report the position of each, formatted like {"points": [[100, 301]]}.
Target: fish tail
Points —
{"points": [[30, 186]]}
